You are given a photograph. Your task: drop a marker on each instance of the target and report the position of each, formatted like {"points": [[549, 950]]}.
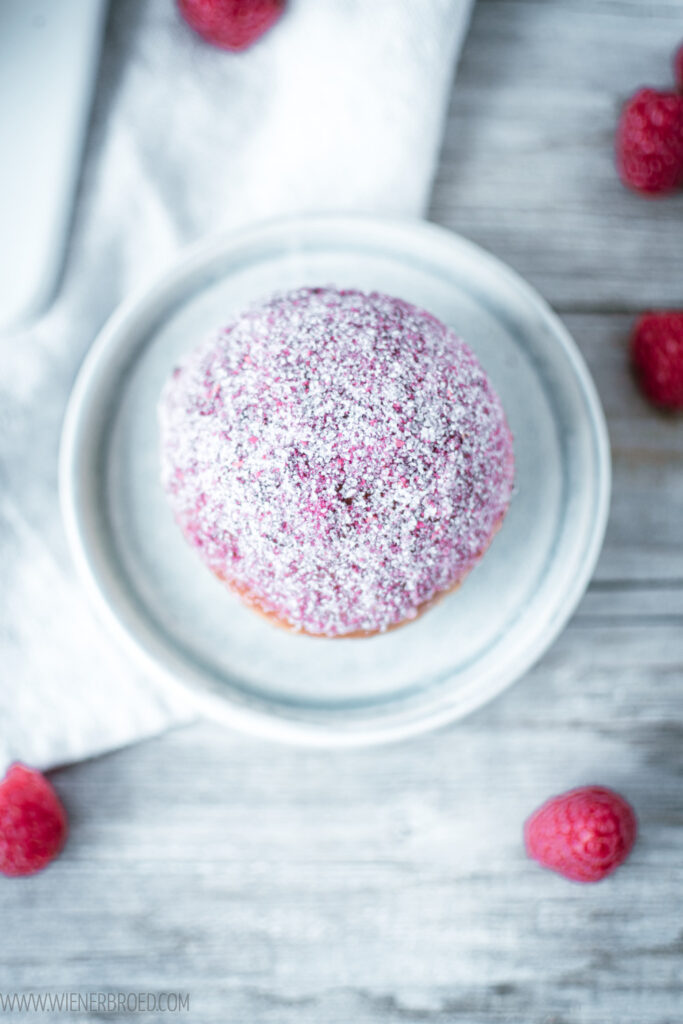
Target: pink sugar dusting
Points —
{"points": [[339, 458]]}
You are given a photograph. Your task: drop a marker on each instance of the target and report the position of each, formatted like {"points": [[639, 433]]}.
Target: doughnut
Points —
{"points": [[337, 459]]}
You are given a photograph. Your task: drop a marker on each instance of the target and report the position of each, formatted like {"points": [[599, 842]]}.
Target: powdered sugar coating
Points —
{"points": [[339, 459]]}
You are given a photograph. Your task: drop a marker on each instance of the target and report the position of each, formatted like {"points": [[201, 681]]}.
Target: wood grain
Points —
{"points": [[390, 886], [527, 166]]}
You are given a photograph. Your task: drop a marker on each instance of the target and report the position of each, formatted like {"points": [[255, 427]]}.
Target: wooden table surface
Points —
{"points": [[390, 885]]}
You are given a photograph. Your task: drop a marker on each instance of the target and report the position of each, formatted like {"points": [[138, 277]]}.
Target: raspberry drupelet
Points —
{"points": [[33, 824], [657, 357], [231, 24], [649, 142], [584, 834]]}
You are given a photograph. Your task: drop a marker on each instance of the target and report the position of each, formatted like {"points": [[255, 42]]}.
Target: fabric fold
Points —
{"points": [[340, 107]]}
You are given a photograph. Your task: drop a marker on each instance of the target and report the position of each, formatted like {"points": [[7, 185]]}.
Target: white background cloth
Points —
{"points": [[339, 107]]}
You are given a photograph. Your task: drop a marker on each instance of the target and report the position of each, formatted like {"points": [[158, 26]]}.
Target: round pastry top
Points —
{"points": [[338, 458]]}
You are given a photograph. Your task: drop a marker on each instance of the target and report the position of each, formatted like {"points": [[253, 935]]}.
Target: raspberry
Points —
{"points": [[657, 357], [32, 822], [583, 834], [231, 24], [678, 67], [649, 142]]}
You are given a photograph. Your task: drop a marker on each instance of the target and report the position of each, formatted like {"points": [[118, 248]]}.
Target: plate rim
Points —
{"points": [[226, 709]]}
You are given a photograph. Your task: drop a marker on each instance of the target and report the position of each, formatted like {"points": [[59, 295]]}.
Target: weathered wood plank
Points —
{"points": [[275, 884], [390, 886], [527, 166], [644, 537]]}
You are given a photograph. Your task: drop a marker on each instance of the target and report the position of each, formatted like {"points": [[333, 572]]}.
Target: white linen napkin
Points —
{"points": [[340, 107]]}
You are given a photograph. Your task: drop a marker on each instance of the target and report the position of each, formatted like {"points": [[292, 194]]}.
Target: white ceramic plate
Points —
{"points": [[173, 614]]}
